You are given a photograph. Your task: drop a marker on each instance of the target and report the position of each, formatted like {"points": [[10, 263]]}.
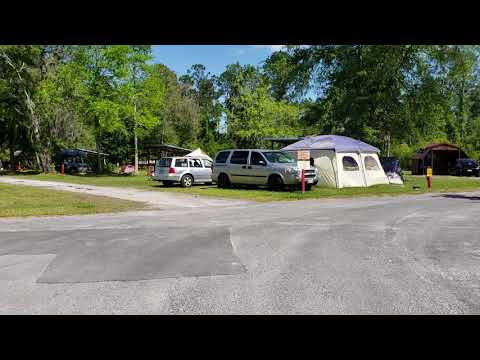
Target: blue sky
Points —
{"points": [[180, 58]]}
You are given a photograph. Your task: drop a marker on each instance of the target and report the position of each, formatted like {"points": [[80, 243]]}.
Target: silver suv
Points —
{"points": [[184, 170], [275, 169]]}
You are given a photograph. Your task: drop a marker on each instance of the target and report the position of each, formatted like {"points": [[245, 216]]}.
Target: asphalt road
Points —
{"points": [[403, 255]]}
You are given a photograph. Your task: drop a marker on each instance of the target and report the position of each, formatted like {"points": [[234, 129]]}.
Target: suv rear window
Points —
{"points": [[165, 162], [239, 157], [222, 157]]}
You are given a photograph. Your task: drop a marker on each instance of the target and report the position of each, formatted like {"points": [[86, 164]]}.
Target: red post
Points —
{"points": [[63, 168], [303, 181]]}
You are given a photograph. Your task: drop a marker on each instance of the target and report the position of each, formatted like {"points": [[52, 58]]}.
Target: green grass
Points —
{"points": [[440, 184], [20, 200]]}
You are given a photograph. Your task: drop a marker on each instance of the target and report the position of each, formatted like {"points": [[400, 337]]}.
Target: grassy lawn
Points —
{"points": [[440, 184], [20, 200]]}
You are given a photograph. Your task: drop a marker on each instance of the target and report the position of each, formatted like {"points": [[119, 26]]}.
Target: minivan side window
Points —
{"points": [[239, 157], [222, 157], [257, 159]]}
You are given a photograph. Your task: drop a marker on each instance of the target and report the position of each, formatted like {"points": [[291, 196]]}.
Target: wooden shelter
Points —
{"points": [[440, 157], [152, 152]]}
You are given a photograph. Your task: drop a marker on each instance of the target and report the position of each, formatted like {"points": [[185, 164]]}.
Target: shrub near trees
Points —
{"points": [[115, 99]]}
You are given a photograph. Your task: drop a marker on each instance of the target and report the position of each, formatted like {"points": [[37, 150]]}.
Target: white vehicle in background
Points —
{"points": [[184, 170]]}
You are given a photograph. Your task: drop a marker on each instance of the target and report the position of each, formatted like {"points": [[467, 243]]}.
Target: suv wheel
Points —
{"points": [[223, 181], [275, 182], [187, 181]]}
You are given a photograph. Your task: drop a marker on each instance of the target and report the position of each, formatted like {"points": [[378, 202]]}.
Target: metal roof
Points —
{"points": [[421, 153], [80, 152], [166, 146]]}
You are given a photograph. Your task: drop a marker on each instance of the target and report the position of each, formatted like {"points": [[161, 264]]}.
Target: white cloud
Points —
{"points": [[272, 48], [239, 51]]}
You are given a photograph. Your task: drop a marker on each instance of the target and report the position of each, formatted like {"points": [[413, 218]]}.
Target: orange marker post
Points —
{"points": [[429, 177]]}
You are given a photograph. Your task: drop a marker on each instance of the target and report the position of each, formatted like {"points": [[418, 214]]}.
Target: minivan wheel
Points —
{"points": [[187, 181], [275, 182], [223, 181]]}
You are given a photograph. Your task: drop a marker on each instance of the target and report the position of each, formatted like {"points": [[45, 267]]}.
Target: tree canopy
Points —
{"points": [[115, 98]]}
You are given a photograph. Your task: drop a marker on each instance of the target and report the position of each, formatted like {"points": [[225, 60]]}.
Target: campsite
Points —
{"points": [[239, 179]]}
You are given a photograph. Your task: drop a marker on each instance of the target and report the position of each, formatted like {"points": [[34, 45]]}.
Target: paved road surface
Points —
{"points": [[403, 255]]}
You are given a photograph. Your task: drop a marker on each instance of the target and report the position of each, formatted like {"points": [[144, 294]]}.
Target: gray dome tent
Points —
{"points": [[342, 161]]}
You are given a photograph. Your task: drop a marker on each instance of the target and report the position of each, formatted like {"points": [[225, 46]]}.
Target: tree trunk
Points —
{"points": [[11, 145], [12, 155], [41, 152], [99, 157]]}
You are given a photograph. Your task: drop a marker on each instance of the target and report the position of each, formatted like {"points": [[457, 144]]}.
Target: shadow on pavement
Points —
{"points": [[287, 189], [459, 196]]}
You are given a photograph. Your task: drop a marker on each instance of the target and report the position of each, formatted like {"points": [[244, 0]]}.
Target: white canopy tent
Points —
{"points": [[199, 153], [342, 161]]}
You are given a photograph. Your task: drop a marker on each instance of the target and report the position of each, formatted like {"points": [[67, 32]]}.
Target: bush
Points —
{"points": [[403, 152]]}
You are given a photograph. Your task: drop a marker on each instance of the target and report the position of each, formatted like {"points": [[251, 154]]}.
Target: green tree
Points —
{"points": [[180, 115], [202, 86], [259, 116], [19, 74], [102, 71]]}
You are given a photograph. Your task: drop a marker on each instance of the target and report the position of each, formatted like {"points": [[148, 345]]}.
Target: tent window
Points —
{"points": [[370, 163], [349, 164]]}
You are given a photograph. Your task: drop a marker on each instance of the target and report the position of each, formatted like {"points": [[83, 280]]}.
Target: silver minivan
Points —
{"points": [[272, 168], [184, 170]]}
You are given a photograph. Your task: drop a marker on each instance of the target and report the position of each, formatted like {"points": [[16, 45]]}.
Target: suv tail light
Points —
{"points": [[171, 170]]}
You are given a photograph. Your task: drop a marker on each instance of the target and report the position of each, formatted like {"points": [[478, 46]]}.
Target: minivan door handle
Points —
{"points": [[249, 167], [244, 166]]}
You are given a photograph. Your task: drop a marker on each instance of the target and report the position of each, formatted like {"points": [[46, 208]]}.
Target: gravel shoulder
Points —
{"points": [[154, 199]]}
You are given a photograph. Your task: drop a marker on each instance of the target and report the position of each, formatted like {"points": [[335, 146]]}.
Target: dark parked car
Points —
{"points": [[74, 166], [465, 167]]}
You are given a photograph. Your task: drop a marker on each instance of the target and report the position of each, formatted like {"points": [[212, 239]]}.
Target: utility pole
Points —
{"points": [[135, 137]]}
